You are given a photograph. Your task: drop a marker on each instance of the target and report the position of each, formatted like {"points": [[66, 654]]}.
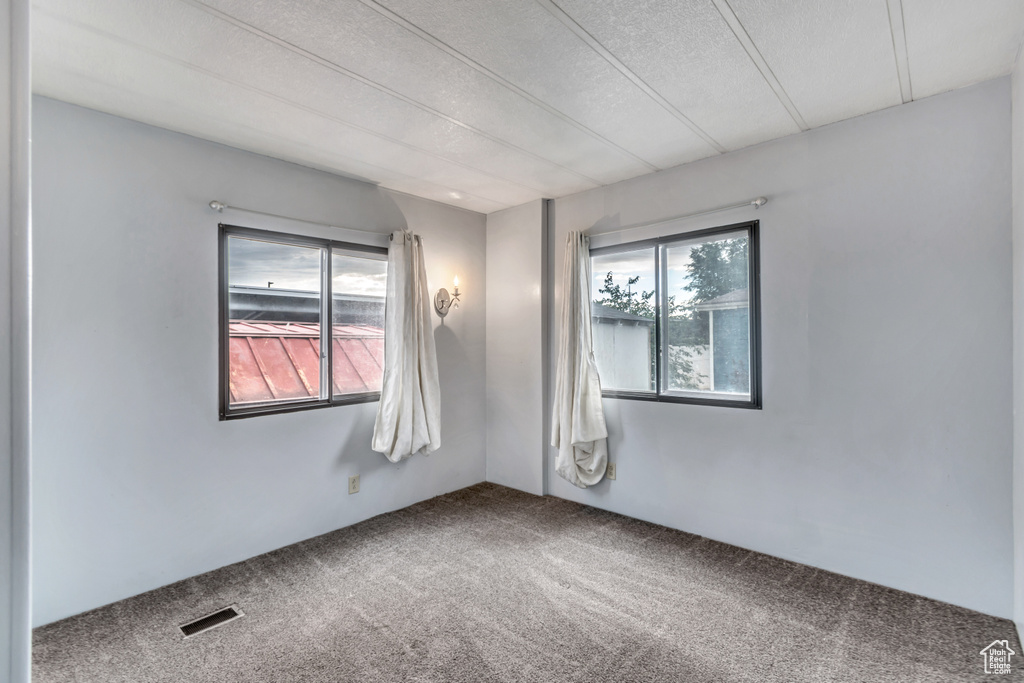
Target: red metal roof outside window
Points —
{"points": [[280, 361]]}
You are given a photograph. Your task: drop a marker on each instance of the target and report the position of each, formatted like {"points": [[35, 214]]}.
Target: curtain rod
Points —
{"points": [[757, 203], [220, 206]]}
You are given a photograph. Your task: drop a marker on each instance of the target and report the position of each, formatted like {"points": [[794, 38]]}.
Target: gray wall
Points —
{"points": [[15, 230], [6, 357], [883, 450], [515, 349], [137, 483], [1018, 340]]}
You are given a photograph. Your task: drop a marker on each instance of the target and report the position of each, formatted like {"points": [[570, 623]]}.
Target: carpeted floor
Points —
{"points": [[489, 584]]}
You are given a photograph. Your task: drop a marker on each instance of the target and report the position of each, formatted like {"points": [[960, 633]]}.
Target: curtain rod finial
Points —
{"points": [[218, 206], [759, 202]]}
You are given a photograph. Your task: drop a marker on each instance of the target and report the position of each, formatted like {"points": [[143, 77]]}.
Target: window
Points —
{"points": [[276, 290], [676, 318]]}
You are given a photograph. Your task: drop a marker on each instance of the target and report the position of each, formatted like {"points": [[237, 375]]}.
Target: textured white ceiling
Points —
{"points": [[487, 104], [834, 59]]}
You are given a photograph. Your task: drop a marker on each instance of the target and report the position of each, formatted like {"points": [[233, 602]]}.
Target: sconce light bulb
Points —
{"points": [[456, 280]]}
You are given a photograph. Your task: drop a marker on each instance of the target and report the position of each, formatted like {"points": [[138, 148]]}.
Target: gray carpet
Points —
{"points": [[489, 584]]}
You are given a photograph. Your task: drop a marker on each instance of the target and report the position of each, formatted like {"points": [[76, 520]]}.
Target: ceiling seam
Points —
{"points": [[379, 86], [898, 31], [81, 75], [468, 61], [251, 88], [600, 49], [736, 26]]}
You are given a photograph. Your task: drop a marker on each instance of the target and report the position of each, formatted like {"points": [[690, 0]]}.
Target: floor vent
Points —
{"points": [[210, 621]]}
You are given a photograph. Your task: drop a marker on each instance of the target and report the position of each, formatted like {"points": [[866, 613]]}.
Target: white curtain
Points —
{"points": [[578, 428], [409, 413]]}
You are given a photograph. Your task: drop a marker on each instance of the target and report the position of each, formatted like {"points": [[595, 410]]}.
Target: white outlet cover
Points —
{"points": [[353, 484]]}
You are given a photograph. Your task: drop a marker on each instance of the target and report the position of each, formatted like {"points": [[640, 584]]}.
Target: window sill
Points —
{"points": [[682, 398], [277, 409]]}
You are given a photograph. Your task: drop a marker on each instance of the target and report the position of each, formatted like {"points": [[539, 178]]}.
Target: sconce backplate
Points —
{"points": [[442, 302]]}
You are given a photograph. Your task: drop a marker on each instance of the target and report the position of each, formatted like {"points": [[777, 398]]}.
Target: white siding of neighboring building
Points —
{"points": [[700, 360], [623, 354]]}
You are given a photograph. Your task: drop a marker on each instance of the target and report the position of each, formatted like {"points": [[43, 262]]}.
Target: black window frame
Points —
{"points": [[227, 412], [754, 313]]}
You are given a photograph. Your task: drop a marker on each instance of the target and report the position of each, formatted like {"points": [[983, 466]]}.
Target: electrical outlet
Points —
{"points": [[610, 472], [353, 484]]}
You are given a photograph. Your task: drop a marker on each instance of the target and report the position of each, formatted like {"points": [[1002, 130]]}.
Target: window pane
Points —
{"points": [[359, 287], [623, 312], [706, 318], [273, 322]]}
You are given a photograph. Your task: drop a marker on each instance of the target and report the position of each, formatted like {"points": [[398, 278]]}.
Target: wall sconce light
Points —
{"points": [[444, 301]]}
